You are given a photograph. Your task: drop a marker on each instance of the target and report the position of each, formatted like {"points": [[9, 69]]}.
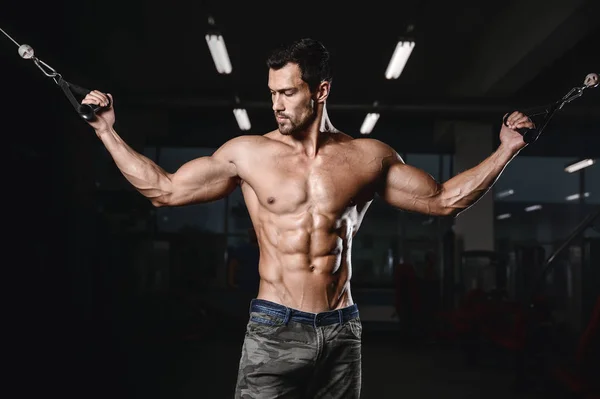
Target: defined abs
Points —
{"points": [[314, 288]]}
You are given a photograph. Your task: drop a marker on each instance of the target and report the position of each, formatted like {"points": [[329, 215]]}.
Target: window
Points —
{"points": [[531, 200]]}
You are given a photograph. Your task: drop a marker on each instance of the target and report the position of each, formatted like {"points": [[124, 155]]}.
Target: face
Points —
{"points": [[293, 104]]}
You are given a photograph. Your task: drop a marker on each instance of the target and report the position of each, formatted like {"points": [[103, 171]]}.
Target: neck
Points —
{"points": [[316, 134]]}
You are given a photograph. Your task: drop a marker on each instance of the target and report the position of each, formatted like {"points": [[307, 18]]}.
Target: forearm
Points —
{"points": [[145, 175], [466, 188]]}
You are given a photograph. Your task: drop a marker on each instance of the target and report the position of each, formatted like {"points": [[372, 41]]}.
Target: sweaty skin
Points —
{"points": [[306, 210], [307, 188]]}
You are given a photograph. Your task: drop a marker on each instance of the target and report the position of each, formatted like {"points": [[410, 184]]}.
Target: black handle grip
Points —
{"points": [[89, 111], [529, 135]]}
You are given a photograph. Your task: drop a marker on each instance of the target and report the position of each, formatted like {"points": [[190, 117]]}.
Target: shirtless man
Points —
{"points": [[307, 188]]}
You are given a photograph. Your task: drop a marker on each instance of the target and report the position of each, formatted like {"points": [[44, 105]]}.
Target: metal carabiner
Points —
{"points": [[50, 72], [590, 81], [575, 92]]}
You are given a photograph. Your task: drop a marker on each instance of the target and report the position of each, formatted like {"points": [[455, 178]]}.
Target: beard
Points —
{"points": [[291, 126]]}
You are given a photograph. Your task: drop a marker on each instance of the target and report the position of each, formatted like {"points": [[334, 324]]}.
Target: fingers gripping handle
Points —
{"points": [[86, 111], [529, 135], [89, 111]]}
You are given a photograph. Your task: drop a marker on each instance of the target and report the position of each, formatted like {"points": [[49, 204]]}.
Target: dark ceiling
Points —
{"points": [[473, 60]]}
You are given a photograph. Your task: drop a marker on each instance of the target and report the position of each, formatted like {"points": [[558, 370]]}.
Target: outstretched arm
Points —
{"points": [[200, 180], [412, 189]]}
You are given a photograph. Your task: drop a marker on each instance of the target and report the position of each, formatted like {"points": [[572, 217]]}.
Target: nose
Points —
{"points": [[278, 103]]}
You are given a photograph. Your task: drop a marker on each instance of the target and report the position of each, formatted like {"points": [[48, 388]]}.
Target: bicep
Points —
{"points": [[412, 189], [203, 179]]}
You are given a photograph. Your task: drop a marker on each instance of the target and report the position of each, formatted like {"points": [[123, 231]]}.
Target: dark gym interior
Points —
{"points": [[110, 297]]}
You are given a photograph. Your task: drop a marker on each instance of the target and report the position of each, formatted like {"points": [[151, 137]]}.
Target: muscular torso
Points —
{"points": [[305, 211]]}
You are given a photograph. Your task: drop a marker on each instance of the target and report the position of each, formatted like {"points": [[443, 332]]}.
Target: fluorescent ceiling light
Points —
{"points": [[503, 216], [399, 59], [505, 193], [576, 196], [574, 167], [241, 116], [533, 208], [369, 123], [216, 45]]}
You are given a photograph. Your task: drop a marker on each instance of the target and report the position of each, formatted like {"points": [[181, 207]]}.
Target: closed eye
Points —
{"points": [[285, 92]]}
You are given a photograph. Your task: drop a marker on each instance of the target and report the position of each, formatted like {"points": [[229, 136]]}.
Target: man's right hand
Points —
{"points": [[105, 118]]}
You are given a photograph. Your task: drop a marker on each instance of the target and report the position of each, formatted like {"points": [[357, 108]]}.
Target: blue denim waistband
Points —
{"points": [[316, 319]]}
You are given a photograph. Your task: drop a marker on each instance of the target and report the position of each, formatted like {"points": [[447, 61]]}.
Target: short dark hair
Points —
{"points": [[311, 56]]}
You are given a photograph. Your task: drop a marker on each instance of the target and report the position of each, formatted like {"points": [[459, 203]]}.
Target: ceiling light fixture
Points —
{"points": [[505, 193], [575, 166], [217, 47], [533, 208], [369, 123], [241, 116], [399, 59], [574, 197]]}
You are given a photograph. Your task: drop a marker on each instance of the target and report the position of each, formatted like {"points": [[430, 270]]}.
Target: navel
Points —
{"points": [[271, 200]]}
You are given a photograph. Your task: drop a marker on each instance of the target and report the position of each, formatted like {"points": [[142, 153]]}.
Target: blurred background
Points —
{"points": [[109, 296]]}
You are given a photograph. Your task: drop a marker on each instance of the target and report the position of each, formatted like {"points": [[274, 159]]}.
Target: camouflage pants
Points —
{"points": [[292, 354]]}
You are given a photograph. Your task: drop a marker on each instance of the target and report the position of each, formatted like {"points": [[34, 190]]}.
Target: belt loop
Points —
{"points": [[341, 316], [288, 314]]}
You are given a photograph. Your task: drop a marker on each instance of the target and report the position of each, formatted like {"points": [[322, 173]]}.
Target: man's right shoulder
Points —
{"points": [[245, 144], [251, 140], [242, 143]]}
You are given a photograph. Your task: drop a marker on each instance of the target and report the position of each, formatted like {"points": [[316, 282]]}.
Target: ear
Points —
{"points": [[322, 92]]}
